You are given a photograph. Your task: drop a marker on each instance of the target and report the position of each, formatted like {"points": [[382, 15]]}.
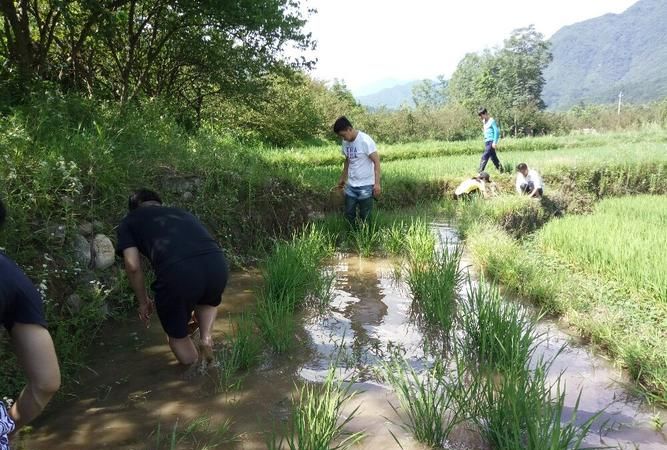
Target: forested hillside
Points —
{"points": [[595, 59]]}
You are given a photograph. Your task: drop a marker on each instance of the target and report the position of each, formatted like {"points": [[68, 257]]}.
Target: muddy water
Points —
{"points": [[625, 422], [133, 383]]}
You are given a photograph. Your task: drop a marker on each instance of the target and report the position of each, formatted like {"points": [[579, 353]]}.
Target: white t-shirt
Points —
{"points": [[361, 171], [532, 176]]}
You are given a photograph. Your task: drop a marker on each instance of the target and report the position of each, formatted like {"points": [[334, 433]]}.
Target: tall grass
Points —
{"points": [[625, 323], [523, 410], [292, 276], [431, 403], [240, 352], [434, 283], [620, 241], [317, 421], [498, 336]]}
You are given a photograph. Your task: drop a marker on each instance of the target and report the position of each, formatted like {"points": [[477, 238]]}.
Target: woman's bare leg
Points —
{"points": [[36, 354]]}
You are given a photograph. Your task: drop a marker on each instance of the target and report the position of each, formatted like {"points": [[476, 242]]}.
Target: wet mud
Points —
{"points": [[133, 385]]}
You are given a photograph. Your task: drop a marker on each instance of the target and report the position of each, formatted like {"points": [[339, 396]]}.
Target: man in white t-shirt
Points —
{"points": [[361, 170], [528, 181]]}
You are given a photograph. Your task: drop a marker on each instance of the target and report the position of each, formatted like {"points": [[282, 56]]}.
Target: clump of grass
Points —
{"points": [[316, 422], [292, 276], [430, 403], [240, 353], [434, 284], [393, 238], [198, 434], [517, 409], [497, 335], [366, 237], [419, 241]]}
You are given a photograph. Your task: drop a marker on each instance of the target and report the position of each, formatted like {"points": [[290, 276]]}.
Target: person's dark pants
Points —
{"points": [[527, 188], [199, 280], [358, 197], [489, 152]]}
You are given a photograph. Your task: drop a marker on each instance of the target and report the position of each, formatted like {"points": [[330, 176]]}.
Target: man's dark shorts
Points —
{"points": [[199, 280]]}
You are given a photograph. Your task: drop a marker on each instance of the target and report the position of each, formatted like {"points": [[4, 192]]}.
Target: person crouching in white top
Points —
{"points": [[528, 181]]}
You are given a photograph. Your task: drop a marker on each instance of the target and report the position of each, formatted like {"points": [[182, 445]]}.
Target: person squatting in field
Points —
{"points": [[22, 314], [528, 181], [479, 185], [190, 268], [361, 170], [491, 137]]}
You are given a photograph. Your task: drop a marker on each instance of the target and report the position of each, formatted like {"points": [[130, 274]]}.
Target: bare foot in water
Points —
{"points": [[206, 353]]}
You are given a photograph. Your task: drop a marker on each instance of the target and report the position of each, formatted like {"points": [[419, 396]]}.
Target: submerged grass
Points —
{"points": [[498, 336], [317, 421], [434, 282], [292, 276], [431, 404]]}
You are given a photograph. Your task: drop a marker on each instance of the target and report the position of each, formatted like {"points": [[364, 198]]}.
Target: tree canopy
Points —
{"points": [[185, 50]]}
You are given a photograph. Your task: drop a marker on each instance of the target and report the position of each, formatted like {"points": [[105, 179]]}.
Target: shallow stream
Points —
{"points": [[133, 385]]}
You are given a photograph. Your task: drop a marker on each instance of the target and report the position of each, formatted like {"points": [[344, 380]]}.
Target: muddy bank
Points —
{"points": [[133, 384]]}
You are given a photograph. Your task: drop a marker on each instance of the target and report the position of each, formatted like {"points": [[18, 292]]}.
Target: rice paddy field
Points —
{"points": [[449, 325]]}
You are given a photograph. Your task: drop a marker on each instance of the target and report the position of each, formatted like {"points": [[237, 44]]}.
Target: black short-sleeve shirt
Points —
{"points": [[19, 300], [164, 235]]}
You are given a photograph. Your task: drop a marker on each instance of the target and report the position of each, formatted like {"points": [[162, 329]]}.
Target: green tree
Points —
{"points": [[508, 81], [185, 50], [431, 93]]}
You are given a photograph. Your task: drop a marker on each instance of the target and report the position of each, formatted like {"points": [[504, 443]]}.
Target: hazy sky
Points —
{"points": [[367, 41]]}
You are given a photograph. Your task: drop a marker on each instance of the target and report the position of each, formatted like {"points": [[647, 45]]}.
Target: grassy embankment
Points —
{"points": [[65, 162], [603, 272]]}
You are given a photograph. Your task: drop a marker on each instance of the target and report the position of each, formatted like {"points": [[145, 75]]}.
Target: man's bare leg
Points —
{"points": [[36, 354], [184, 350], [206, 316]]}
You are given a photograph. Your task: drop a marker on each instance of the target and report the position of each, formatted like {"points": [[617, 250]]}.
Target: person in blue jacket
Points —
{"points": [[491, 137]]}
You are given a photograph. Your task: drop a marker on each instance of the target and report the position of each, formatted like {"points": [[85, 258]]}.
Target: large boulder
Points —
{"points": [[98, 254], [104, 251]]}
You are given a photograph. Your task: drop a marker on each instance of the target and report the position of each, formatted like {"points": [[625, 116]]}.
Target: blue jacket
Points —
{"points": [[491, 131]]}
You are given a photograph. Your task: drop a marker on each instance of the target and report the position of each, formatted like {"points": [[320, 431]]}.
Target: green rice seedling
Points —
{"points": [[198, 434], [366, 237], [591, 242], [434, 285], [275, 319], [429, 402], [335, 225], [292, 276], [519, 410], [316, 422], [393, 238], [419, 242], [240, 353], [498, 336]]}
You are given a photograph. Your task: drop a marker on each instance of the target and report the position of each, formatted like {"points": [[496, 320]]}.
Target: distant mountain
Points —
{"points": [[595, 59], [393, 97]]}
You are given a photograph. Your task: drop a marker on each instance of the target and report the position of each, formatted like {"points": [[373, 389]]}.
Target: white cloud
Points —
{"points": [[365, 41]]}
